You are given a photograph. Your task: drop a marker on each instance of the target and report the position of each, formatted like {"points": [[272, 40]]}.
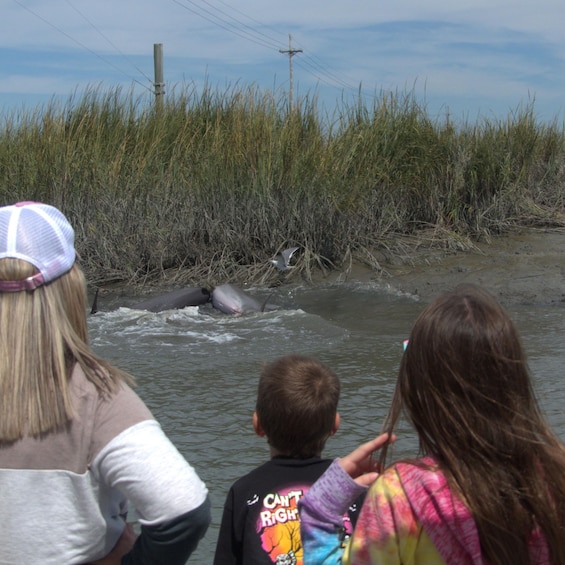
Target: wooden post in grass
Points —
{"points": [[159, 84]]}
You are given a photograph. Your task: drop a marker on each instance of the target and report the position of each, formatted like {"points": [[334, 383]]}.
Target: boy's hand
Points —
{"points": [[360, 465]]}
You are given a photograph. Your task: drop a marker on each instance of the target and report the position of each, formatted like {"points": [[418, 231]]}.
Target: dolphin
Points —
{"points": [[189, 296], [282, 259], [231, 299]]}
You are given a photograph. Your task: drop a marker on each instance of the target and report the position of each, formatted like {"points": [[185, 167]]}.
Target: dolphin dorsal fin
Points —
{"points": [[264, 305], [94, 308]]}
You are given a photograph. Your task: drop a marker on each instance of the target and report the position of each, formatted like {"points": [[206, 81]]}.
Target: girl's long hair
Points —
{"points": [[43, 334], [464, 384]]}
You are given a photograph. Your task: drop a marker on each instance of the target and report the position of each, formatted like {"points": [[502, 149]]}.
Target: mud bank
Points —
{"points": [[525, 267]]}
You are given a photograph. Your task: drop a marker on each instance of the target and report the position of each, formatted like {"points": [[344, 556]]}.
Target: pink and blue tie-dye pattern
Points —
{"points": [[399, 508], [409, 517]]}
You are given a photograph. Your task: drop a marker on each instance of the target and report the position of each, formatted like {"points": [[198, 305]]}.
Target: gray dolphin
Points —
{"points": [[231, 299], [189, 296], [282, 259]]}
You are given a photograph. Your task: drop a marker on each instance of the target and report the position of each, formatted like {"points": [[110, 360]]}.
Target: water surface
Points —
{"points": [[197, 369]]}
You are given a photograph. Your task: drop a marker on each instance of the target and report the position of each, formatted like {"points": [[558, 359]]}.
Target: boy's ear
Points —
{"points": [[337, 422], [257, 425]]}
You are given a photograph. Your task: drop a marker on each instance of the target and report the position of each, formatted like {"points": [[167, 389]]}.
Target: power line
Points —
{"points": [[79, 43], [255, 31], [310, 64], [106, 39], [220, 18], [225, 24], [251, 19]]}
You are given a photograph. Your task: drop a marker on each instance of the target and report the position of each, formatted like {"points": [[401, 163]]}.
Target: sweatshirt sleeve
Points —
{"points": [[321, 516], [169, 497], [172, 542]]}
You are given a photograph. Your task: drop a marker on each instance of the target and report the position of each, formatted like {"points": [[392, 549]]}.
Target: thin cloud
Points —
{"points": [[470, 56]]}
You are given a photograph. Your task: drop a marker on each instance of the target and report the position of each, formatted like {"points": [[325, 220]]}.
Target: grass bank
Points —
{"points": [[207, 189]]}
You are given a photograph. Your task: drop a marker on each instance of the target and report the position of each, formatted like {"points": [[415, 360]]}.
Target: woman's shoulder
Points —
{"points": [[123, 398], [105, 416]]}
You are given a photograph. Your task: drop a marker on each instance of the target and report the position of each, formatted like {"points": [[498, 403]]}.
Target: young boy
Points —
{"points": [[296, 411]]}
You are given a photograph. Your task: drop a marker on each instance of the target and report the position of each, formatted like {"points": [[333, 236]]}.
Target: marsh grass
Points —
{"points": [[213, 185]]}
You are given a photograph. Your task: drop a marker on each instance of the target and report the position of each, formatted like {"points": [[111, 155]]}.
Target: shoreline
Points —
{"points": [[526, 266]]}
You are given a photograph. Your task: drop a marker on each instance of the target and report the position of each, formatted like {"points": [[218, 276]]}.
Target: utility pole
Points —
{"points": [[159, 84], [291, 52]]}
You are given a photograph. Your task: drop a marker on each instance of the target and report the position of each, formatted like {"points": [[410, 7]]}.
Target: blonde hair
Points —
{"points": [[43, 334]]}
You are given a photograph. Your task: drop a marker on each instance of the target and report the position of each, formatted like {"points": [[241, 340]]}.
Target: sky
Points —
{"points": [[466, 59]]}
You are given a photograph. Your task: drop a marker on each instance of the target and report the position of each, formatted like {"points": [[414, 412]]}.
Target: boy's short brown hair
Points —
{"points": [[297, 404]]}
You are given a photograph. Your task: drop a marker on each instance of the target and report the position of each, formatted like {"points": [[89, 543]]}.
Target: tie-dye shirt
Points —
{"points": [[409, 517]]}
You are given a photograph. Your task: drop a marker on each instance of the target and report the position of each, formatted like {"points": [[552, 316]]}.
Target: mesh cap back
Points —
{"points": [[39, 234]]}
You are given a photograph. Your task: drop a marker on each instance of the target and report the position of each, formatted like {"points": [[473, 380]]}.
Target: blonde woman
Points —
{"points": [[76, 443]]}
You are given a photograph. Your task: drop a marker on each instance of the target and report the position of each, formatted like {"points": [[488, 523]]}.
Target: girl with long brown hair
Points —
{"points": [[488, 486]]}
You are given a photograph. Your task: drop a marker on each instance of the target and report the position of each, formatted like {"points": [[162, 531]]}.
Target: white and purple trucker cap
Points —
{"points": [[39, 234]]}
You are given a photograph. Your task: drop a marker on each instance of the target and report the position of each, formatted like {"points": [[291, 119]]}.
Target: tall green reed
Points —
{"points": [[211, 186]]}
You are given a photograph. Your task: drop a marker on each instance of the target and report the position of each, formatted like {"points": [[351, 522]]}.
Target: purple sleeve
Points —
{"points": [[321, 515]]}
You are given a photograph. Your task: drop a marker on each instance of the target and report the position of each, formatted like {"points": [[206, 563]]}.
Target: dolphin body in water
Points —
{"points": [[231, 299], [189, 296], [227, 298]]}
